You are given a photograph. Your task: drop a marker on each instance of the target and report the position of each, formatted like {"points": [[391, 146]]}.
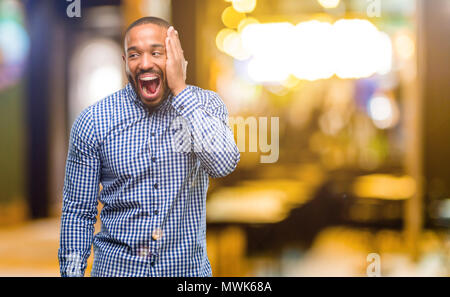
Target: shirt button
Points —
{"points": [[153, 134], [143, 252], [153, 159], [157, 233], [181, 107], [156, 186], [156, 212]]}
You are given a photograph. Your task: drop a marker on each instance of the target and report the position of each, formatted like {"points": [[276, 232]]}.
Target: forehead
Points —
{"points": [[145, 34]]}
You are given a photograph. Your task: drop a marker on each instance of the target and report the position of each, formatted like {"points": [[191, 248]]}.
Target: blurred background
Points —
{"points": [[362, 96]]}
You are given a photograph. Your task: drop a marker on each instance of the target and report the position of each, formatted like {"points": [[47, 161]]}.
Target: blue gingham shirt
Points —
{"points": [[154, 182]]}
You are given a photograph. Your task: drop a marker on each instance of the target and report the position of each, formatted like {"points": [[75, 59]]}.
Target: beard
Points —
{"points": [[134, 85]]}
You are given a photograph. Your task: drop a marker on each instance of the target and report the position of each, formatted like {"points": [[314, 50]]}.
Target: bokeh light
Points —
{"points": [[385, 186], [270, 62], [232, 45], [329, 3], [361, 49], [95, 72], [245, 6], [231, 18], [404, 45], [14, 42], [245, 22], [312, 50], [104, 81], [383, 111], [220, 37]]}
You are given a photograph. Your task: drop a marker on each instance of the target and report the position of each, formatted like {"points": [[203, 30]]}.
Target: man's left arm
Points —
{"points": [[205, 113], [212, 139]]}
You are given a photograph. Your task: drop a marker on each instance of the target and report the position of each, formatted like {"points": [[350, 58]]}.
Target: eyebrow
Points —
{"points": [[134, 48]]}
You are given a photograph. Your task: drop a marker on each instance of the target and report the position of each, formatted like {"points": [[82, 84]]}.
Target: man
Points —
{"points": [[154, 178]]}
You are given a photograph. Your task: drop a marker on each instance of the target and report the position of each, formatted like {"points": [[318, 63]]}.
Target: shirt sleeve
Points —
{"points": [[81, 188], [211, 138]]}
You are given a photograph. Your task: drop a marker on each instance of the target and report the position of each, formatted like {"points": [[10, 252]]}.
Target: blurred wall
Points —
{"points": [[435, 62]]}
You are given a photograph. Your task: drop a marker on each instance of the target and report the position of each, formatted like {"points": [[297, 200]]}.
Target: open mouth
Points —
{"points": [[150, 86]]}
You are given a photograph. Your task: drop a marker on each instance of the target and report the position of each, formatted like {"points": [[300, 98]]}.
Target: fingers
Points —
{"points": [[175, 63], [169, 50], [176, 44], [172, 54], [180, 53]]}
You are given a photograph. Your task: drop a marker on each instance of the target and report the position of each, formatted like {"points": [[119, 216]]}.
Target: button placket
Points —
{"points": [[152, 257], [157, 234], [152, 145]]}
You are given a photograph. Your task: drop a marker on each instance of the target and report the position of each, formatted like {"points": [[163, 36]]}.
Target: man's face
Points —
{"points": [[145, 63]]}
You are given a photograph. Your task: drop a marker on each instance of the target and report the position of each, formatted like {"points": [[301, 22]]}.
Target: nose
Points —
{"points": [[146, 62]]}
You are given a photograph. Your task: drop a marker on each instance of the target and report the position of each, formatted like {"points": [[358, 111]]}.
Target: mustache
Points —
{"points": [[160, 73]]}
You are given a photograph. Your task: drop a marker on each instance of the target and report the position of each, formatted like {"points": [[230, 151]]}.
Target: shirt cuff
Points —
{"points": [[185, 102]]}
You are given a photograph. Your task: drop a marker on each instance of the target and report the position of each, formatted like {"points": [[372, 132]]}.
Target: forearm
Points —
{"points": [[76, 238], [78, 218], [211, 139], [81, 188]]}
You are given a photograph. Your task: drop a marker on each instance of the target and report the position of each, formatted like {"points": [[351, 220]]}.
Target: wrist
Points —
{"points": [[178, 90]]}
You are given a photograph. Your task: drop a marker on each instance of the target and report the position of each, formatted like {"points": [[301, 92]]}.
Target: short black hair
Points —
{"points": [[148, 20]]}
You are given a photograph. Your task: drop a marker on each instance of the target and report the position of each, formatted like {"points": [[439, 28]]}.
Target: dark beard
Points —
{"points": [[136, 90]]}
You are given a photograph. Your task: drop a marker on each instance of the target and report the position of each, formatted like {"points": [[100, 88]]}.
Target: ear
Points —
{"points": [[123, 58]]}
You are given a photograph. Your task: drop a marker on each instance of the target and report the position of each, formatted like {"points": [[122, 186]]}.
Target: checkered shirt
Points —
{"points": [[154, 169]]}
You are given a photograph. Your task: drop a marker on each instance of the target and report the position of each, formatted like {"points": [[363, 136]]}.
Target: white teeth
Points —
{"points": [[148, 78]]}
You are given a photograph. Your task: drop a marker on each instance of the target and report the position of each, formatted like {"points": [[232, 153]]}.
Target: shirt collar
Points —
{"points": [[160, 109]]}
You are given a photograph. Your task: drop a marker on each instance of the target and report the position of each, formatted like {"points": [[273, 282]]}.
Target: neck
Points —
{"points": [[152, 109]]}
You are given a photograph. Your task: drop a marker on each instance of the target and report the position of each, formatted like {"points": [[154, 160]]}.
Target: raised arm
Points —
{"points": [[206, 118], [203, 111]]}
